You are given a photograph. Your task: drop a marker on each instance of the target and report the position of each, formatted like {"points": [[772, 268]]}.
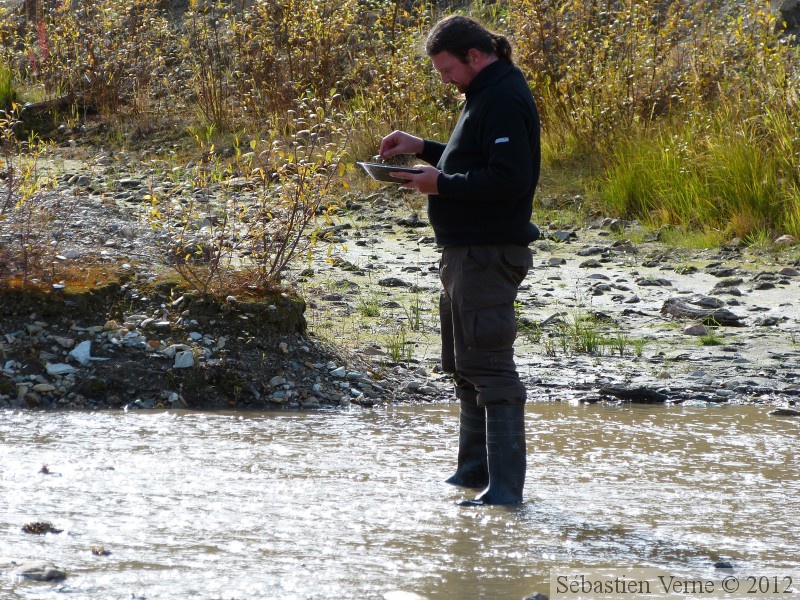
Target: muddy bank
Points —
{"points": [[358, 320]]}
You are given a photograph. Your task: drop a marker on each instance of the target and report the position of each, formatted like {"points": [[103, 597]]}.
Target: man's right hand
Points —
{"points": [[400, 142]]}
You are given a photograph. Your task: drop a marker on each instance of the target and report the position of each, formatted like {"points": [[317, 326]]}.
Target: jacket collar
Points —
{"points": [[489, 75]]}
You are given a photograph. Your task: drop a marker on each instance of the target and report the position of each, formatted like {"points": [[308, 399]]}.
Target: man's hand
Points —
{"points": [[400, 142], [426, 182]]}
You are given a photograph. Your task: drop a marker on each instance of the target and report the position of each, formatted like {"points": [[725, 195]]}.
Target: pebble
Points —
{"points": [[696, 330], [59, 369], [183, 360]]}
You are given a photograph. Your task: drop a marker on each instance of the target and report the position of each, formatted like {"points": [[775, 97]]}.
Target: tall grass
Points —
{"points": [[727, 178], [7, 93], [686, 111]]}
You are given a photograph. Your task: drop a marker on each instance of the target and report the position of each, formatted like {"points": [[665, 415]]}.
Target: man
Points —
{"points": [[480, 196]]}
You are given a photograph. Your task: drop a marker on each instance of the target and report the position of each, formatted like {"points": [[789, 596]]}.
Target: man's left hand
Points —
{"points": [[426, 182]]}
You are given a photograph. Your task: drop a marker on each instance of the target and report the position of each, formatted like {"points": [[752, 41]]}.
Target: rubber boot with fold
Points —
{"points": [[472, 470], [505, 443]]}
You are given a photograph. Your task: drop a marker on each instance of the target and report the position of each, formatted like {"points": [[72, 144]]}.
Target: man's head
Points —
{"points": [[460, 47]]}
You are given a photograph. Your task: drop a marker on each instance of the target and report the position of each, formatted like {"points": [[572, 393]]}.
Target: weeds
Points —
{"points": [[399, 347], [711, 339], [369, 307], [28, 254]]}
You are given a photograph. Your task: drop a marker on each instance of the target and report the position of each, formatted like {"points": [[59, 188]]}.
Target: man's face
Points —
{"points": [[452, 70]]}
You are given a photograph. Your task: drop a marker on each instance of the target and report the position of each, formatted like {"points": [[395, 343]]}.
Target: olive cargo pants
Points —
{"points": [[476, 309]]}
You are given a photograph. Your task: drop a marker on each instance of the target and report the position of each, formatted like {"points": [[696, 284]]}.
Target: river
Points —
{"points": [[352, 504]]}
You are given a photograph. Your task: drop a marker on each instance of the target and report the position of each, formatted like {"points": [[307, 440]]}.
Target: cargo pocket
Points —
{"points": [[491, 328], [519, 260]]}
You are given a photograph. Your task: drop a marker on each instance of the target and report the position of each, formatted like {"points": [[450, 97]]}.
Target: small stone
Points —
{"points": [[562, 236], [81, 353], [284, 347], [276, 381], [129, 183], [196, 336], [43, 387], [340, 372], [696, 330], [60, 369], [786, 240], [183, 360], [67, 343]]}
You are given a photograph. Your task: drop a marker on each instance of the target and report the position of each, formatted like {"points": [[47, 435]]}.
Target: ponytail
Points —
{"points": [[457, 35]]}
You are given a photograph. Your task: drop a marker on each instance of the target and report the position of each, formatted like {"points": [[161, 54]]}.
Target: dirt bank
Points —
{"points": [[357, 321]]}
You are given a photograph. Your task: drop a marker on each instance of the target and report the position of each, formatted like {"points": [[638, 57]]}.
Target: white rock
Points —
{"points": [[183, 360], [171, 351], [60, 369], [340, 372], [276, 381], [43, 387], [81, 353]]}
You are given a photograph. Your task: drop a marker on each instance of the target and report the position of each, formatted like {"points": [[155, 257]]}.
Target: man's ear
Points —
{"points": [[473, 55]]}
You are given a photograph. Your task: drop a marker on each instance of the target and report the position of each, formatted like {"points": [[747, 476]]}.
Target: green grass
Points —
{"points": [[8, 94], [713, 185]]}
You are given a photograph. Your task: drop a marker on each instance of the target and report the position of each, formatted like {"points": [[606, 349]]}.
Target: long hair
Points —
{"points": [[457, 34]]}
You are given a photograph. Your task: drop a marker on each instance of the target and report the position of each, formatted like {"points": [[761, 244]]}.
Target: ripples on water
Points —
{"points": [[352, 504]]}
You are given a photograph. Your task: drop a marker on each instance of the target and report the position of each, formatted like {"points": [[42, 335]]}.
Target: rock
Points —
{"points": [[33, 570], [339, 372], [172, 351], [184, 360], [563, 236], [653, 282], [64, 342], [60, 369], [393, 282], [789, 272], [130, 184], [81, 353], [696, 330], [592, 263], [786, 240], [785, 412], [638, 394], [556, 262], [708, 316]]}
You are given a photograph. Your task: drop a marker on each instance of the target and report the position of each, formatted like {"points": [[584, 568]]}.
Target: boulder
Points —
{"points": [[34, 570]]}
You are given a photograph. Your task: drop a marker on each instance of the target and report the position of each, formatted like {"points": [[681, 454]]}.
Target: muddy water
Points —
{"points": [[352, 504]]}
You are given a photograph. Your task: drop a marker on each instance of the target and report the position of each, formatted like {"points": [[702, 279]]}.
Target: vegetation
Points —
{"points": [[673, 113]]}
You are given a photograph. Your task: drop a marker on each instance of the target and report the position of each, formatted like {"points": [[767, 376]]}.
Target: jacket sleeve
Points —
{"points": [[431, 152], [506, 132]]}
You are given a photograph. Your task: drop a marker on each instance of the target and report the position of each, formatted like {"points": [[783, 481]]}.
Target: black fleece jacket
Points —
{"points": [[490, 166]]}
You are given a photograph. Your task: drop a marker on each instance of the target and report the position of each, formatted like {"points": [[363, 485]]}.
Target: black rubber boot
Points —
{"points": [[472, 470], [505, 442]]}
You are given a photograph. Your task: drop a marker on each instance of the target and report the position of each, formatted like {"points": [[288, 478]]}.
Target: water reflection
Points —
{"points": [[353, 504]]}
